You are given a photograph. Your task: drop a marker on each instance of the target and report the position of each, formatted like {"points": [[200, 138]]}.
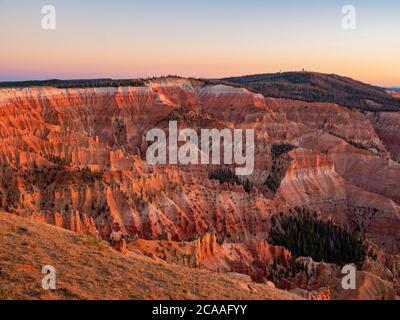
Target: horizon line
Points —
{"points": [[387, 86]]}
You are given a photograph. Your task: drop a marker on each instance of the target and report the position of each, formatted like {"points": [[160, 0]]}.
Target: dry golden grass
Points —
{"points": [[94, 242], [88, 268], [4, 295]]}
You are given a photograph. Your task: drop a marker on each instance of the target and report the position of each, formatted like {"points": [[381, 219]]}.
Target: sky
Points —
{"points": [[198, 38]]}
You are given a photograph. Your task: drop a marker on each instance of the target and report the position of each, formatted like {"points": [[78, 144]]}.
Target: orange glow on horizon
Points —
{"points": [[121, 41]]}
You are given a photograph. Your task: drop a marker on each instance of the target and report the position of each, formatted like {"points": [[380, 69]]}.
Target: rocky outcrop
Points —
{"points": [[121, 247], [74, 221], [255, 258], [322, 281], [387, 127]]}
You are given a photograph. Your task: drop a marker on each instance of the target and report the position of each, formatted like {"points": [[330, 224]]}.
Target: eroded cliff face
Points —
{"points": [[75, 158], [258, 259], [322, 281], [387, 127], [80, 152]]}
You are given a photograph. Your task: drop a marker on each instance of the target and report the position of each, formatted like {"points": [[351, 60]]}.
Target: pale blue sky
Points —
{"points": [[203, 38]]}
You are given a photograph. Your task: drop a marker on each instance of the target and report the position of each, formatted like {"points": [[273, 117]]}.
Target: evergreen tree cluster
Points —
{"points": [[228, 176], [305, 235], [61, 162], [84, 83], [88, 176], [280, 162], [278, 149]]}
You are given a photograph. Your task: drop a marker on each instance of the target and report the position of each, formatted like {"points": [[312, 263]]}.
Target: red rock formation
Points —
{"points": [[321, 281], [75, 158], [254, 258], [121, 247], [387, 127]]}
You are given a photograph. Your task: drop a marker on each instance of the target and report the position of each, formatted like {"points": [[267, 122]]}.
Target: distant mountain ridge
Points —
{"points": [[313, 86], [305, 86]]}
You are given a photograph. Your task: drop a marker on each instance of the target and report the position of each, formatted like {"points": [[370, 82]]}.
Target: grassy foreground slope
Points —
{"points": [[89, 269]]}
